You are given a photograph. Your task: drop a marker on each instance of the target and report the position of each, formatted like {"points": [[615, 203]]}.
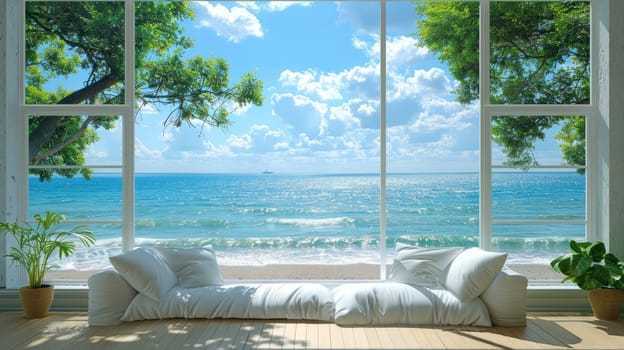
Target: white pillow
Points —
{"points": [[109, 297], [193, 267], [146, 271], [421, 266], [472, 272]]}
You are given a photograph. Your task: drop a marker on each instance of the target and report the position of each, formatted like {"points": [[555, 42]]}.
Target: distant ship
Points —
{"points": [[267, 172]]}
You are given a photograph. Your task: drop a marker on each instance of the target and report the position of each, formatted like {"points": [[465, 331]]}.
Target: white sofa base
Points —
{"points": [[112, 301]]}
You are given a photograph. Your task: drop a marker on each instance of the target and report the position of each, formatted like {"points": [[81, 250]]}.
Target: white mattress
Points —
{"points": [[389, 303], [260, 301]]}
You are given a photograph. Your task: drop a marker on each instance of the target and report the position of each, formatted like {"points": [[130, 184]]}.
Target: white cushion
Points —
{"points": [[389, 303], [109, 296], [505, 299], [472, 272], [193, 267], [297, 301], [421, 266], [146, 271]]}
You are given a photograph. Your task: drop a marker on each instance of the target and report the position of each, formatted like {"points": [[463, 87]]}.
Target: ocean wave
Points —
{"points": [[316, 249], [166, 222], [312, 222]]}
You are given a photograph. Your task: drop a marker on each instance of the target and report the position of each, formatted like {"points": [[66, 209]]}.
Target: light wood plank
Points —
{"points": [[69, 330], [277, 336], [337, 341], [359, 336], [290, 338], [374, 342], [415, 338], [312, 335], [324, 336], [348, 337], [228, 337], [257, 336]]}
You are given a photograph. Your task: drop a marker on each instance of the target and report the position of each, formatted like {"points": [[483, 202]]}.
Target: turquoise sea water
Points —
{"points": [[274, 218]]}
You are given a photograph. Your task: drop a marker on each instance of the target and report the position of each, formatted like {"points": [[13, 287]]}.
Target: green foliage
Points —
{"points": [[539, 54], [590, 266], [36, 244], [65, 39]]}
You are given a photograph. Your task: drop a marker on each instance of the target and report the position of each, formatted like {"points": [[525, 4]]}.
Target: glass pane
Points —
{"points": [[522, 142], [87, 261], [293, 181], [74, 52], [433, 133], [531, 248], [433, 210], [538, 196], [540, 52], [78, 198], [73, 141], [552, 207]]}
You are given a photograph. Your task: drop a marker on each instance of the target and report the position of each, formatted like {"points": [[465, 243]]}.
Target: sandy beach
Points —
{"points": [[317, 272]]}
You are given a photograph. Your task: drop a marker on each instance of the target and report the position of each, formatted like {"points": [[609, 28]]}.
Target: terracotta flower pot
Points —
{"points": [[606, 303], [36, 301]]}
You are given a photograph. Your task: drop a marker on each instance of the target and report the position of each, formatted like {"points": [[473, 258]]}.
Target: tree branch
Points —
{"points": [[68, 141]]}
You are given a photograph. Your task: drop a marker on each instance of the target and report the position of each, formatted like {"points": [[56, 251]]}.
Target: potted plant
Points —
{"points": [[35, 246], [593, 269]]}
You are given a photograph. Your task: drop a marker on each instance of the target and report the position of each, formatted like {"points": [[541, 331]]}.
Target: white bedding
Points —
{"points": [[260, 301], [186, 283], [390, 303]]}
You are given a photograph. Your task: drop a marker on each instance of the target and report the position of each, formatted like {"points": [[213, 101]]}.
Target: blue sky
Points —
{"points": [[320, 66]]}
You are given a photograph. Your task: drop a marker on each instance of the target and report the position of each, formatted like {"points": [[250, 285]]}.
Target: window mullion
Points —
{"points": [[485, 173], [382, 151], [128, 187]]}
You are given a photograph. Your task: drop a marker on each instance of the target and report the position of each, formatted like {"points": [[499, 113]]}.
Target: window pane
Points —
{"points": [[74, 52], [531, 248], [539, 52], [432, 131], [433, 210], [293, 181], [73, 142], [538, 196], [79, 199], [535, 214], [525, 141], [86, 261]]}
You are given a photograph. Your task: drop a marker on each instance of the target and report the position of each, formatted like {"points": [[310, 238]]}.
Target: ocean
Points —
{"points": [[276, 218]]}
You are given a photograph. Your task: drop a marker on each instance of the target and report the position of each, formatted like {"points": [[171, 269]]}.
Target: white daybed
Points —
{"points": [[447, 286]]}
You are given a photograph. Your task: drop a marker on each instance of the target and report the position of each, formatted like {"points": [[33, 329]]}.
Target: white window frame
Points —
{"points": [[487, 110]]}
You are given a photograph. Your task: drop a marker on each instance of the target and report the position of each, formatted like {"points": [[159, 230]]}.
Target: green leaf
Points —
{"points": [[581, 264], [597, 251], [36, 244]]}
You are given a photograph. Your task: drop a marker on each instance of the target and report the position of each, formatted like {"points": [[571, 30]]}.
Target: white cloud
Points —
{"points": [[325, 86], [302, 114], [277, 6], [404, 51], [242, 141], [234, 24], [143, 152], [443, 114], [432, 82], [259, 139]]}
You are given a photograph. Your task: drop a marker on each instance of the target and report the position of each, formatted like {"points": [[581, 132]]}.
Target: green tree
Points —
{"points": [[87, 39], [539, 55]]}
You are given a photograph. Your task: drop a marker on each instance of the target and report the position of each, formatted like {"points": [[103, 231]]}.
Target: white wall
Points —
{"points": [[9, 206], [608, 156], [3, 146]]}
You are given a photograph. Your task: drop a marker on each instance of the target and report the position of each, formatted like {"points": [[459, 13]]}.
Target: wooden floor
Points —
{"points": [[69, 330]]}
